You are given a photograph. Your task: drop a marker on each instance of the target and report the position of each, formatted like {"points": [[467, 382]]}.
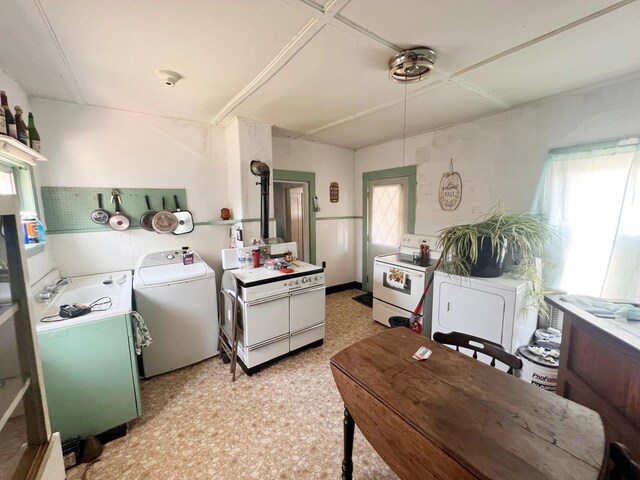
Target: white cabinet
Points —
{"points": [[490, 308]]}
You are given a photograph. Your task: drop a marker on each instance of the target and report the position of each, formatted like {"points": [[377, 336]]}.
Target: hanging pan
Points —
{"points": [[118, 221], [164, 221], [185, 219], [146, 220], [100, 215]]}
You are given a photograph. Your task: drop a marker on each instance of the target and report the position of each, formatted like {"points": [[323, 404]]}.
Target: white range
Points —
{"points": [[399, 298], [279, 313]]}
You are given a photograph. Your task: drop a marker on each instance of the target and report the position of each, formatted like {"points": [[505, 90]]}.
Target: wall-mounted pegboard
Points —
{"points": [[68, 209]]}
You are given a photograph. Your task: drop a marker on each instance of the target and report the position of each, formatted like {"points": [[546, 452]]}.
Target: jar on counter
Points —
{"points": [[248, 260]]}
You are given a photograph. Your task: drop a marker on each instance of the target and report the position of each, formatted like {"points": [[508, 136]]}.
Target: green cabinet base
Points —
{"points": [[91, 376]]}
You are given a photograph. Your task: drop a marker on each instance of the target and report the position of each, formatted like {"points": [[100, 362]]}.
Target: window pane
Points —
{"points": [[386, 215], [7, 184]]}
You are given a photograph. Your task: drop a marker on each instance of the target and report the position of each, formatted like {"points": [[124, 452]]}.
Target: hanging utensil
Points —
{"points": [[185, 219], [164, 221], [146, 220], [118, 221], [100, 215]]}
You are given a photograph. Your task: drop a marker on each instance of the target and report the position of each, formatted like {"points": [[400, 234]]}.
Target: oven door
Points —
{"points": [[405, 295], [265, 319], [307, 309]]}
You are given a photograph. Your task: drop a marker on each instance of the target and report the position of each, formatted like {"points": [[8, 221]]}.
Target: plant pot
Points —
{"points": [[490, 261]]}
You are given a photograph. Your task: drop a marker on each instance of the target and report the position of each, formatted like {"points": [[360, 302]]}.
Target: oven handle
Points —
{"points": [[307, 290], [268, 342], [265, 300], [304, 330]]}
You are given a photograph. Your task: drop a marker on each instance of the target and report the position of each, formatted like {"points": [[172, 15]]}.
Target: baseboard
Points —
{"points": [[344, 286]]}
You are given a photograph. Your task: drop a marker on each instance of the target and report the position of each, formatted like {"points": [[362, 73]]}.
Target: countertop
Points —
{"points": [[628, 332]]}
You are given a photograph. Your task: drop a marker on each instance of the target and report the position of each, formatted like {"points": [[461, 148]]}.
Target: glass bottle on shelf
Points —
{"points": [[8, 116], [34, 136], [21, 128], [3, 123]]}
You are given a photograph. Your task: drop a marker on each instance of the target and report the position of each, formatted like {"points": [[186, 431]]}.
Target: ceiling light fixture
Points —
{"points": [[169, 77], [412, 65]]}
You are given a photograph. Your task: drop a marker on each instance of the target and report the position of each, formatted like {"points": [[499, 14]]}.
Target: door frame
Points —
{"points": [[411, 173], [310, 179]]}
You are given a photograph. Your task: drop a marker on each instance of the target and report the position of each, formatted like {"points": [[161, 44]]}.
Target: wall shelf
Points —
{"points": [[18, 153]]}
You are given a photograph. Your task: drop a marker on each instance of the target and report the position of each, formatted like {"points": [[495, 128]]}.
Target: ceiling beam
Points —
{"points": [[70, 78], [541, 38], [310, 30]]}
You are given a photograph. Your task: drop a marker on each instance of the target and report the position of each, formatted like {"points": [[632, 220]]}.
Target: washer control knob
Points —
{"points": [[170, 257], [305, 279]]}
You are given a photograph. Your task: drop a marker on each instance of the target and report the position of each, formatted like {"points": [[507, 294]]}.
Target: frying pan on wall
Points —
{"points": [[118, 221], [146, 220], [185, 219], [164, 221], [100, 215]]}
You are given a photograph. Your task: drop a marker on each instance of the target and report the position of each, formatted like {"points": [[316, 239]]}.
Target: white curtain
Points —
{"points": [[591, 195]]}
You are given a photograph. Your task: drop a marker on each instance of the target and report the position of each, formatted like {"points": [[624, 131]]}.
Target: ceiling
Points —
{"points": [[316, 69]]}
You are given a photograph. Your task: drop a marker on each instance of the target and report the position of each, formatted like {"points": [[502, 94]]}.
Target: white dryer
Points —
{"points": [[489, 308], [178, 302]]}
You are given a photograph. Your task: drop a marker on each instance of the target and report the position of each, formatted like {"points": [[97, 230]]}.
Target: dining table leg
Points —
{"points": [[347, 462]]}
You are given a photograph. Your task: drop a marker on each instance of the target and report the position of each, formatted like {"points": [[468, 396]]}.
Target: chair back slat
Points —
{"points": [[480, 345], [624, 468]]}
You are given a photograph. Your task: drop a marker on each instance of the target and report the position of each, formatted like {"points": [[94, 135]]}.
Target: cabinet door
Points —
{"points": [[470, 311], [307, 309], [88, 377]]}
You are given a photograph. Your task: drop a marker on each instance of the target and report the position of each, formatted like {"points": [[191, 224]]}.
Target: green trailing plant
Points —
{"points": [[523, 236]]}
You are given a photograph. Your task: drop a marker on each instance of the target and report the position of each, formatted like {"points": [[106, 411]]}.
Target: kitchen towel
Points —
{"points": [[143, 337]]}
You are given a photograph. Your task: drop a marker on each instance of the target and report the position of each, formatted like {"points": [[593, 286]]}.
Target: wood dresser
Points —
{"points": [[600, 369]]}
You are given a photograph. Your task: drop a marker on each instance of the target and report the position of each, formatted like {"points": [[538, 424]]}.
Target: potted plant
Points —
{"points": [[479, 249]]}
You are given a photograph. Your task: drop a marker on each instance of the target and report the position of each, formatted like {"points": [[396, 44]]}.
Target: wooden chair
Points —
{"points": [[624, 468], [480, 345]]}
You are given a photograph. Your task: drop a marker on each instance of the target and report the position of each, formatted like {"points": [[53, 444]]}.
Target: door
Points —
{"points": [[291, 208], [295, 215], [387, 219], [470, 311], [88, 376], [404, 296], [265, 320]]}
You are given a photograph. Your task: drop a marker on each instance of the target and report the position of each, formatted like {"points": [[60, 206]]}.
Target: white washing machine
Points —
{"points": [[178, 301]]}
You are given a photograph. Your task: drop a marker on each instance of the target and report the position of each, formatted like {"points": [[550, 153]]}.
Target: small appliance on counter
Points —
{"points": [[175, 293]]}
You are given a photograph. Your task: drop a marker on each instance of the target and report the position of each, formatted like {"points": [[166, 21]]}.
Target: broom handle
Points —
{"points": [[424, 294]]}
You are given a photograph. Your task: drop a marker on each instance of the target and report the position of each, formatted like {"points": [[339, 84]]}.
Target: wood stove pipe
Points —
{"points": [[262, 170]]}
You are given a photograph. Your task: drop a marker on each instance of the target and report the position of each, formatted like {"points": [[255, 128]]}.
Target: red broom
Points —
{"points": [[414, 321]]}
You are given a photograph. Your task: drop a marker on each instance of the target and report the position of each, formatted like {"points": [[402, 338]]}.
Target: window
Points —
{"points": [[7, 182], [591, 194], [386, 214]]}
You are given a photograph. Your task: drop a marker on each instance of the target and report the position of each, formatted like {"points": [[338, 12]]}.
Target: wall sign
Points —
{"points": [[334, 192], [450, 189]]}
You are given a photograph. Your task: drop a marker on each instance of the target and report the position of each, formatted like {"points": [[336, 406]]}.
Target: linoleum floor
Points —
{"points": [[284, 422]]}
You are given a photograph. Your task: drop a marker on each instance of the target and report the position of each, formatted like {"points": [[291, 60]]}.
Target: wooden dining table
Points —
{"points": [[454, 417]]}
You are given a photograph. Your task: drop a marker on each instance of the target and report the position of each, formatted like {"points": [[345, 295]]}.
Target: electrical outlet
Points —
{"points": [[324, 264]]}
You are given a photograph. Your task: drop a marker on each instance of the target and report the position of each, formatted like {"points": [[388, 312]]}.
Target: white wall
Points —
{"points": [[41, 263], [335, 237], [500, 158], [89, 146]]}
